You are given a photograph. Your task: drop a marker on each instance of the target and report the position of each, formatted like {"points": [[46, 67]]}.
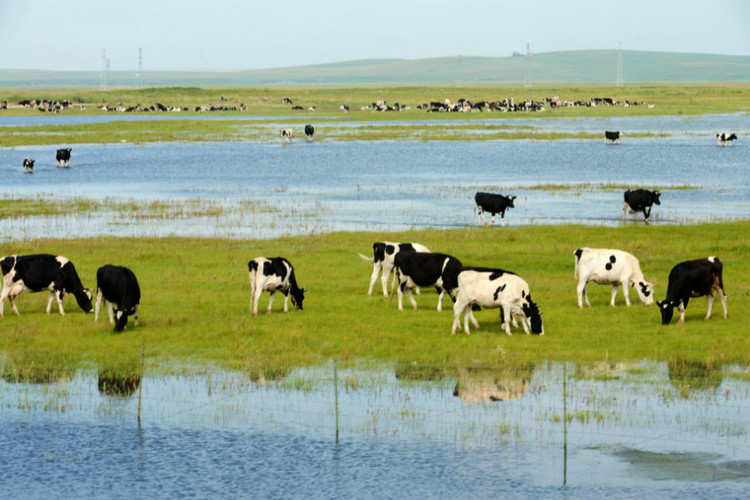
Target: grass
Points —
{"points": [[265, 104], [195, 305]]}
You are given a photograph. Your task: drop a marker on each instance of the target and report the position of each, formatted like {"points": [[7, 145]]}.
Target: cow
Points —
{"points": [[287, 134], [63, 157], [118, 286], [637, 200], [38, 272], [272, 275], [309, 132], [493, 288], [693, 278], [613, 137], [28, 165], [383, 254], [725, 139], [610, 267], [492, 203], [419, 269]]}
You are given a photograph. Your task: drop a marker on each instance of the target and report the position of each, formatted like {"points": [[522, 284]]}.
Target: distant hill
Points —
{"points": [[584, 66]]}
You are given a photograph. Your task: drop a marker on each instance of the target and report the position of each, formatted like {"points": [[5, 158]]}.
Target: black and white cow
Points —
{"points": [[492, 203], [118, 286], [309, 132], [640, 200], [693, 278], [28, 165], [272, 275], [63, 157], [610, 267], [612, 136], [493, 288], [38, 272], [725, 139], [383, 254], [287, 135], [419, 269]]}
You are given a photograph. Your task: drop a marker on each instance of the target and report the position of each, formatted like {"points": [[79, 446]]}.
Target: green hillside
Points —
{"points": [[586, 66]]}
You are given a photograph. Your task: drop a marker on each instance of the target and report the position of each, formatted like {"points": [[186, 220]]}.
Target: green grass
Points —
{"points": [[195, 305]]}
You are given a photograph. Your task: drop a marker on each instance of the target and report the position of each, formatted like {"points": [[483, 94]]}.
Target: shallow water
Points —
{"points": [[389, 186], [632, 431]]}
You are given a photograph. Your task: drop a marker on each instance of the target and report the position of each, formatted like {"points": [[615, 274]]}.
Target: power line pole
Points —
{"points": [[527, 74]]}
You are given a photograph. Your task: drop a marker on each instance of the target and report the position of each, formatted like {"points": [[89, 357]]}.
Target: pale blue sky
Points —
{"points": [[255, 34]]}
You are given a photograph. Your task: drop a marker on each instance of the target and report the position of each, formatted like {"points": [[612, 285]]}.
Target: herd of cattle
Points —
{"points": [[413, 267]]}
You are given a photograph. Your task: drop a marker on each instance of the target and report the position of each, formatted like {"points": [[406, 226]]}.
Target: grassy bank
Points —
{"points": [[195, 305], [267, 105]]}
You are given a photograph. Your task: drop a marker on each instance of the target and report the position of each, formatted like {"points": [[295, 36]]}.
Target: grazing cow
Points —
{"points": [[286, 100], [610, 267], [693, 278], [640, 200], [725, 139], [272, 275], [383, 254], [494, 204], [493, 288], [63, 157], [117, 285], [287, 134], [42, 272], [28, 165], [614, 137], [419, 269], [309, 131]]}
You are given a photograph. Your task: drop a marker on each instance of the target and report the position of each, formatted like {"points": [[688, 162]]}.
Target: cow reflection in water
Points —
{"points": [[477, 385]]}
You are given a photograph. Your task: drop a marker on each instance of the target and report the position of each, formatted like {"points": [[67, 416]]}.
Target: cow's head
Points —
{"points": [[121, 318], [667, 310], [645, 291], [510, 199], [655, 197], [83, 297], [531, 310], [298, 296]]}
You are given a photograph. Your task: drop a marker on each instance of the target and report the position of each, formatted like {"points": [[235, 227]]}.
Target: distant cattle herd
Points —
{"points": [[414, 266]]}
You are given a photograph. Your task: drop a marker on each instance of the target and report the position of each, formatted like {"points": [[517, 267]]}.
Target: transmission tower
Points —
{"points": [[139, 75], [527, 73], [619, 82], [105, 72]]}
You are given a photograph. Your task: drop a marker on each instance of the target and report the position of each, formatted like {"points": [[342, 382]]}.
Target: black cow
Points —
{"points": [[383, 254], [42, 272], [28, 165], [640, 200], [693, 278], [63, 157], [420, 269], [275, 274], [612, 136], [725, 139], [309, 131], [494, 204], [118, 286]]}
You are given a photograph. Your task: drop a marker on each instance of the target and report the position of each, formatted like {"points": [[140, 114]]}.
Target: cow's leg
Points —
{"points": [[457, 310], [111, 312], [480, 217], [710, 297], [723, 297], [411, 298], [625, 210], [646, 212], [525, 322], [502, 218], [49, 302], [506, 319], [492, 222], [135, 316], [13, 305], [375, 271], [681, 308], [441, 291], [270, 301], [3, 295], [99, 297], [286, 301], [581, 293]]}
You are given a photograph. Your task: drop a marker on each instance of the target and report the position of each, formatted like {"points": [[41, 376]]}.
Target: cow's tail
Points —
{"points": [[365, 257]]}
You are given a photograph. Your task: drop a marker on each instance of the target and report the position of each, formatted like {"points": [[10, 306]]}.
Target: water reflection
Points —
{"points": [[220, 434]]}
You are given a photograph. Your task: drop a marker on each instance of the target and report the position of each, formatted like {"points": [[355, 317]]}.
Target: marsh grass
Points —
{"points": [[195, 304]]}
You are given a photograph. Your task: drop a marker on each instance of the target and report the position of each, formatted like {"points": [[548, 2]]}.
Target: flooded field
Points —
{"points": [[263, 190], [630, 430]]}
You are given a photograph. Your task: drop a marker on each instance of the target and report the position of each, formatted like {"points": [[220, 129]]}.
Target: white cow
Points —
{"points": [[493, 288], [287, 135], [610, 267], [383, 254], [272, 275]]}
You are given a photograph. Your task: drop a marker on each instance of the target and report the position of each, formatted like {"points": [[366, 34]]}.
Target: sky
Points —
{"points": [[228, 35]]}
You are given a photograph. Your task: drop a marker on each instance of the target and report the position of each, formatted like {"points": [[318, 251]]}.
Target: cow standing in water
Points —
{"points": [[309, 132], [640, 200], [494, 204], [63, 157], [28, 165]]}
